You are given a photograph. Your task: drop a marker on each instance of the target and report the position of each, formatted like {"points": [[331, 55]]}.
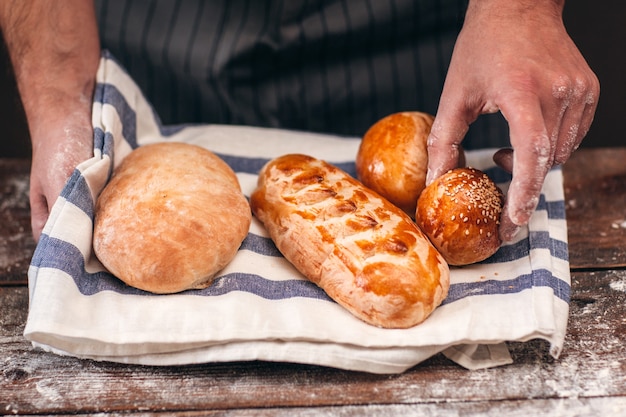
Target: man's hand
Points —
{"points": [[516, 57], [62, 142], [55, 51]]}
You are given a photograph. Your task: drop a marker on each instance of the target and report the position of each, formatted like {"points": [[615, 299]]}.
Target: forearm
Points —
{"points": [[517, 8], [517, 13], [54, 50]]}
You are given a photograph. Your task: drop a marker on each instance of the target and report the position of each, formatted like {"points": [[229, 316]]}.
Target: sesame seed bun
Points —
{"points": [[460, 213]]}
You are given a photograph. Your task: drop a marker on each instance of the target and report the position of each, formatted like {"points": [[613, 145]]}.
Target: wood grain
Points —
{"points": [[591, 373], [595, 197], [16, 241]]}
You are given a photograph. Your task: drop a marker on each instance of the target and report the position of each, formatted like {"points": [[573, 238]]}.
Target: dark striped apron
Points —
{"points": [[332, 66]]}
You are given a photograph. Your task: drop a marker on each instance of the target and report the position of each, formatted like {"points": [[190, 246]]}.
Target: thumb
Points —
{"points": [[39, 212]]}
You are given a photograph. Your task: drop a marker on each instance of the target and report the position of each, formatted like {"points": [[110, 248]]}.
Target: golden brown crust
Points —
{"points": [[460, 213], [362, 250], [170, 218], [393, 159]]}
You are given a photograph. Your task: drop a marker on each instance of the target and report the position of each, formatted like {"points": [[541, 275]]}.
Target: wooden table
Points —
{"points": [[589, 379]]}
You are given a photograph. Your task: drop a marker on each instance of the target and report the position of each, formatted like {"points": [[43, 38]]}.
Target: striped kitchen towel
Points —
{"points": [[260, 307]]}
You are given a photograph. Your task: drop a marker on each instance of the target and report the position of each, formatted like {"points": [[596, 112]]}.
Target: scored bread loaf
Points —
{"points": [[170, 218], [364, 252]]}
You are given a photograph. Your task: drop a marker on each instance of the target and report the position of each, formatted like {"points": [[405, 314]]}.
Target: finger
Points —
{"points": [[462, 161], [569, 137], [446, 134], [576, 122], [39, 214], [508, 230], [532, 157], [504, 159]]}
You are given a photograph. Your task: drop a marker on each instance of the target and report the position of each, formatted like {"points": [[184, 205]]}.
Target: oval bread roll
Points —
{"points": [[170, 218], [393, 160], [460, 213], [364, 252]]}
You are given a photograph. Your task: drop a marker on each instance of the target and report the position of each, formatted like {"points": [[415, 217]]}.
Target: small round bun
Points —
{"points": [[460, 213], [393, 159], [170, 218]]}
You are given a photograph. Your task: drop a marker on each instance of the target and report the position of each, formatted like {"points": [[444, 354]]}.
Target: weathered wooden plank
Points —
{"points": [[16, 242], [595, 196], [571, 407], [592, 366], [574, 407], [13, 312]]}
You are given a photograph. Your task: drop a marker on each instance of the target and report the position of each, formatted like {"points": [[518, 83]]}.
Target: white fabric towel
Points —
{"points": [[260, 307]]}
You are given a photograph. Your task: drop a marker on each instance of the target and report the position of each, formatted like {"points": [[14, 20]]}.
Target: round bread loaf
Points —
{"points": [[170, 218], [393, 159], [460, 213]]}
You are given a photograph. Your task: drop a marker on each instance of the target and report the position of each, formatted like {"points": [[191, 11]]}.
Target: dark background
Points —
{"points": [[597, 27]]}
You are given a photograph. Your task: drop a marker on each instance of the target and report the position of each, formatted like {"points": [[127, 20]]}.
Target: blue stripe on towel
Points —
{"points": [[261, 245], [254, 165], [507, 253], [540, 240], [69, 260], [109, 94], [76, 191], [104, 141], [262, 287], [538, 278]]}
